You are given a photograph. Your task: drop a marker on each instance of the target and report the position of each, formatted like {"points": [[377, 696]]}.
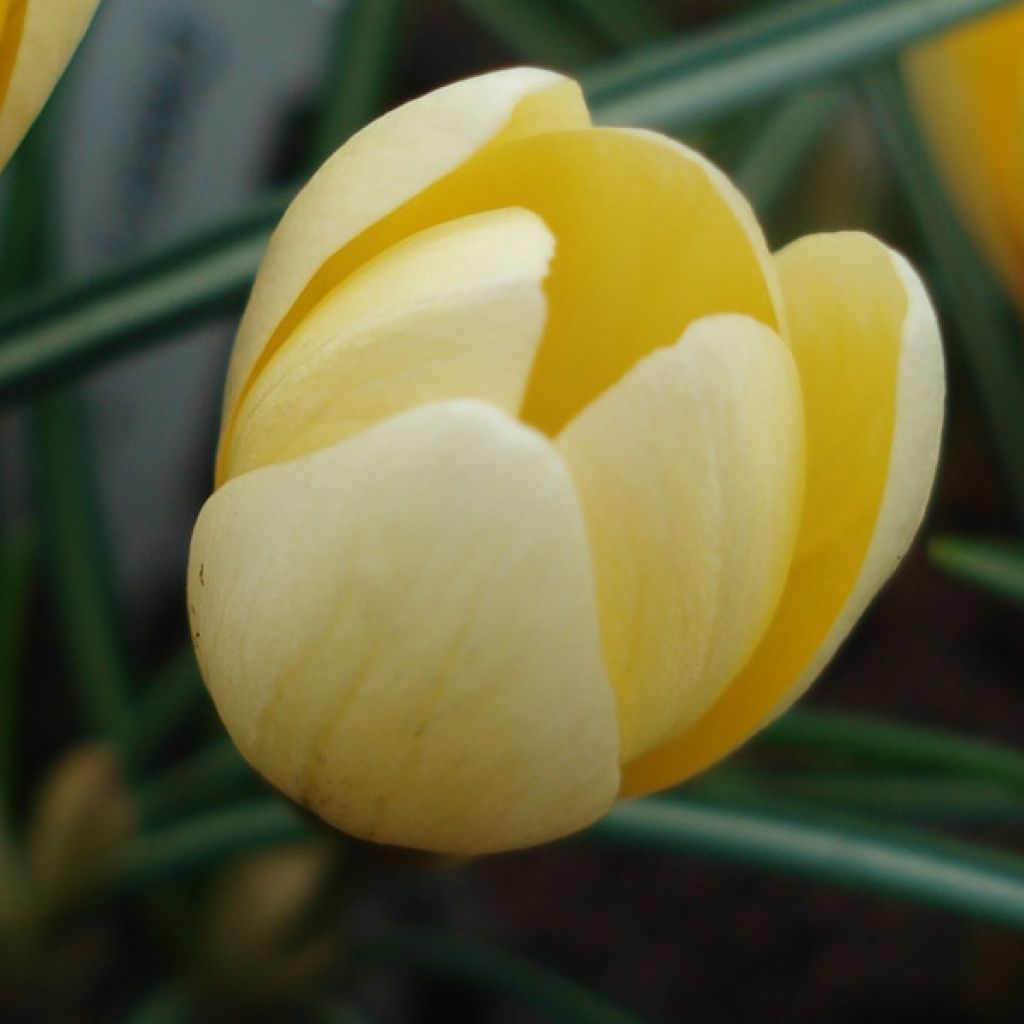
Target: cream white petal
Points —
{"points": [[690, 472], [400, 632], [454, 311], [38, 39], [379, 169], [867, 346]]}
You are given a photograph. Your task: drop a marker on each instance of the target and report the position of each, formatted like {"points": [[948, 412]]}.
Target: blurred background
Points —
{"points": [[148, 876]]}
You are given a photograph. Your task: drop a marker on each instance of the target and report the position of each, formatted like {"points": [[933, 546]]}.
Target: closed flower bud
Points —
{"points": [[541, 481], [82, 819], [37, 39], [969, 89]]}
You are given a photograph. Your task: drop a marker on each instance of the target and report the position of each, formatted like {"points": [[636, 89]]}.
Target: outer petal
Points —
{"points": [[867, 347], [378, 170], [401, 633], [969, 89], [37, 39], [455, 311], [690, 470]]}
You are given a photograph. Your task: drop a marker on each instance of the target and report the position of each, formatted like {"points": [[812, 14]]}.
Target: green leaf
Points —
{"points": [[991, 348], [994, 565], [952, 876], [876, 741], [751, 59], [165, 703], [206, 839], [540, 31], [79, 562], [360, 66], [624, 25], [472, 962]]}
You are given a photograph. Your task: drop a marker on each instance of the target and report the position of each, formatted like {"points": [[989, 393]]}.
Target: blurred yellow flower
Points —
{"points": [[969, 90], [541, 480], [37, 39]]}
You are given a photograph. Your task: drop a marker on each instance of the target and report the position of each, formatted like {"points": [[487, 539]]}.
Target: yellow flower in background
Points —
{"points": [[37, 39], [969, 90], [541, 481]]}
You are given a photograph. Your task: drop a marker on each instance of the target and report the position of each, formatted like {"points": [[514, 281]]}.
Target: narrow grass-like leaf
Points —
{"points": [[776, 154], [996, 566], [18, 553], [467, 961], [323, 1008], [171, 1004], [992, 350], [772, 52], [952, 876], [206, 839], [360, 64], [540, 31], [625, 25], [883, 796], [80, 565], [900, 746]]}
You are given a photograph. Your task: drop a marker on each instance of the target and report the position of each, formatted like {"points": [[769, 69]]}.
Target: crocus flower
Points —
{"points": [[37, 39], [541, 481], [969, 90]]}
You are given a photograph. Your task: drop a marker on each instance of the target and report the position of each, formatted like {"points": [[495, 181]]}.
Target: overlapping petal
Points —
{"points": [[454, 311], [37, 39], [867, 347], [400, 631], [690, 471]]}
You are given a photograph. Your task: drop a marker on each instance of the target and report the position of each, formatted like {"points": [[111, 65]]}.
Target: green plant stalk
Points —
{"points": [[627, 25], [996, 566], [765, 55], [468, 961], [360, 68], [902, 746], [992, 351], [951, 876]]}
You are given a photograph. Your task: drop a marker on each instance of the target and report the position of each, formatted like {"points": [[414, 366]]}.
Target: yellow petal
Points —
{"points": [[867, 348], [37, 39], [969, 90], [401, 633], [376, 172], [690, 471], [454, 311]]}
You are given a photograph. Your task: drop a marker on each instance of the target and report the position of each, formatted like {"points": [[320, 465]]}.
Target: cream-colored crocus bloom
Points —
{"points": [[541, 480], [969, 90], [37, 39]]}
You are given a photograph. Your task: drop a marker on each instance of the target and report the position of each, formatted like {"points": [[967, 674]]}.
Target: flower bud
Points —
{"points": [[541, 480], [968, 86]]}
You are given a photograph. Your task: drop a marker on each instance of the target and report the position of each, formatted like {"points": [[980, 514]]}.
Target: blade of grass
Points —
{"points": [[471, 962], [891, 797], [17, 565], [624, 25], [206, 839], [952, 876], [991, 350], [80, 566], [994, 565], [771, 162], [752, 59], [360, 65], [540, 31], [324, 1008], [891, 743], [170, 1004]]}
